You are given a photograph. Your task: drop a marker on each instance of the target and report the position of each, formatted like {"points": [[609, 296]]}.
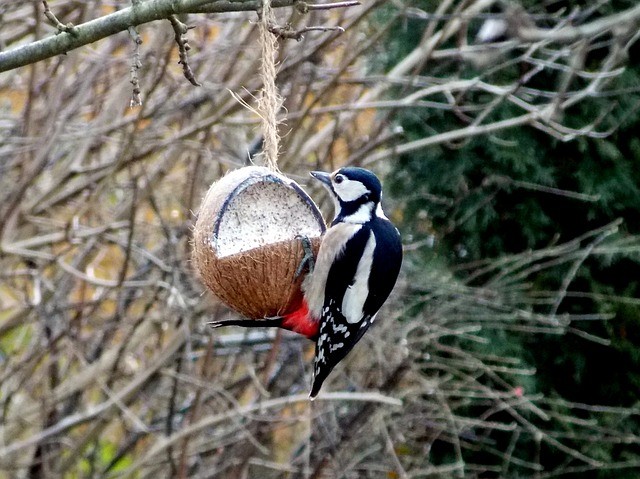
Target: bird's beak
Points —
{"points": [[322, 176]]}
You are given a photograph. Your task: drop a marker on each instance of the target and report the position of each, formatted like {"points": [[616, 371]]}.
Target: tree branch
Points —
{"points": [[180, 30], [626, 19], [120, 21], [54, 21]]}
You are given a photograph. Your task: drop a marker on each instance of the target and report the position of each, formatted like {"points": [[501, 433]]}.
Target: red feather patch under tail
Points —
{"points": [[301, 322]]}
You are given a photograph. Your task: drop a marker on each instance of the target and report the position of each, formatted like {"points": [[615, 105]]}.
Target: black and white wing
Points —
{"points": [[358, 283]]}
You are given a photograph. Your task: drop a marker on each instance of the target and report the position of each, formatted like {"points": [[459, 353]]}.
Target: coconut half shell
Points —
{"points": [[246, 243]]}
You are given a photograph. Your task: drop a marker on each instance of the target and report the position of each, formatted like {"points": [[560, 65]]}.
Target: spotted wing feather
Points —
{"points": [[339, 332]]}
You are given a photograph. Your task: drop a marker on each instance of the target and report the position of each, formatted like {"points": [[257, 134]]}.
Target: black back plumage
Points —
{"points": [[387, 259]]}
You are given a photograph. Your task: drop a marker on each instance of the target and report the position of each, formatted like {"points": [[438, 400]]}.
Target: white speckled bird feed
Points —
{"points": [[245, 240]]}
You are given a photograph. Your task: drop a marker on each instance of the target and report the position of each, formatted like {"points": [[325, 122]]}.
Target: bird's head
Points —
{"points": [[355, 191]]}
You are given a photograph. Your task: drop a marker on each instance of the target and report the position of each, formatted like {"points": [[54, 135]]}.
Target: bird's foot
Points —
{"points": [[309, 259]]}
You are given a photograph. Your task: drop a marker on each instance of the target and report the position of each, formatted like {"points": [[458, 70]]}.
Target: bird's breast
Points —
{"points": [[333, 244]]}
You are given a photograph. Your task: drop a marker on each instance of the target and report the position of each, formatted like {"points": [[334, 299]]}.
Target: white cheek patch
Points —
{"points": [[356, 294], [350, 190]]}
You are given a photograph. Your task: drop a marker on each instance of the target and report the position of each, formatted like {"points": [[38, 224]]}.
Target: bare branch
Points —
{"points": [[99, 200], [627, 19], [135, 66], [289, 33], [305, 7], [180, 30], [68, 28], [137, 14]]}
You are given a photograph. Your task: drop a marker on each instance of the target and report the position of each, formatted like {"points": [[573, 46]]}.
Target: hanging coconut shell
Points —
{"points": [[246, 244]]}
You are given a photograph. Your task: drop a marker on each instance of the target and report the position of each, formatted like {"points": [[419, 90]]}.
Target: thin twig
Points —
{"points": [[304, 7], [180, 29], [298, 35], [62, 28], [135, 66], [211, 420]]}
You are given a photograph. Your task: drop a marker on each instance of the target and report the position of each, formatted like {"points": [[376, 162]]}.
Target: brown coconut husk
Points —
{"points": [[246, 248]]}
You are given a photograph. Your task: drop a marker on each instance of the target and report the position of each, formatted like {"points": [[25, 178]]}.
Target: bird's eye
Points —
{"points": [[339, 179]]}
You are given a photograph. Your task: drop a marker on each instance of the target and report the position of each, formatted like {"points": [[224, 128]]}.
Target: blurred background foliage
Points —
{"points": [[522, 190], [510, 165]]}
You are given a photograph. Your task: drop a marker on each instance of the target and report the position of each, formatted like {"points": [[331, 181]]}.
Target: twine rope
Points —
{"points": [[270, 101]]}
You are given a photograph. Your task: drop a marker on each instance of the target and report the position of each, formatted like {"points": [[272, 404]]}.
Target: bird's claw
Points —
{"points": [[309, 258]]}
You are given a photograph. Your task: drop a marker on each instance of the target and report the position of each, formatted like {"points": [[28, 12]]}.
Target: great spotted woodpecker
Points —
{"points": [[356, 268]]}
